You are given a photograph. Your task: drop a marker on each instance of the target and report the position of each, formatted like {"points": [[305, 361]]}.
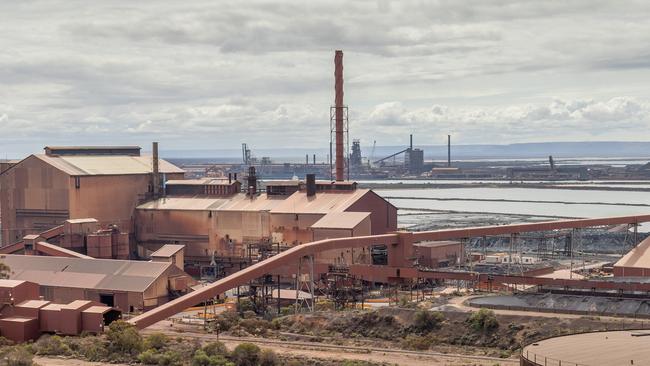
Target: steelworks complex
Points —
{"points": [[91, 234]]}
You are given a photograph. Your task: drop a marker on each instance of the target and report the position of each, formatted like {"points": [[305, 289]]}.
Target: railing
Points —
{"points": [[548, 361]]}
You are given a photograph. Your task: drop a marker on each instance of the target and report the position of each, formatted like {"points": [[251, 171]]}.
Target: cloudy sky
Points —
{"points": [[213, 74]]}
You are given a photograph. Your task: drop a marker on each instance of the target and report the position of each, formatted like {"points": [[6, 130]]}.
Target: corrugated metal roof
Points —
{"points": [[77, 304], [80, 165], [340, 220], [10, 283], [242, 202], [168, 250], [638, 257], [35, 304], [298, 202], [322, 203], [99, 274], [97, 309], [184, 203]]}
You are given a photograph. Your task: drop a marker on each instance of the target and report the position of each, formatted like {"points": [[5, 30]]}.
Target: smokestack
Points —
{"points": [[306, 159], [314, 159], [252, 182], [338, 104], [311, 185], [229, 178], [411, 144], [449, 151], [155, 181]]}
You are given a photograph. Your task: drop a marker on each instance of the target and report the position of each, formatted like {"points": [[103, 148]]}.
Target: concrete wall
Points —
{"points": [[39, 192]]}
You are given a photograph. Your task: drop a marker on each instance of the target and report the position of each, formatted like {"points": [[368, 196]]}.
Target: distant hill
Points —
{"points": [[601, 149]]}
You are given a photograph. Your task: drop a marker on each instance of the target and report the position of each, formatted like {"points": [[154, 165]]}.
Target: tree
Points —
{"points": [[484, 320]]}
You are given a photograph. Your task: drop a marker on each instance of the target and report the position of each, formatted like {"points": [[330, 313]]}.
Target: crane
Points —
{"points": [[372, 153]]}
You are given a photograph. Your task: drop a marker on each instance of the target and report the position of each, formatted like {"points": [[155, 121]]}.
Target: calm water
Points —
{"points": [[576, 203]]}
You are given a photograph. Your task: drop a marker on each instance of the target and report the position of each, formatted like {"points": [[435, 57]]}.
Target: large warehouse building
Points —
{"points": [[124, 285], [105, 183]]}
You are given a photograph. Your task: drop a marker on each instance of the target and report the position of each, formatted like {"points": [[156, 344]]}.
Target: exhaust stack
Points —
{"points": [[338, 104]]}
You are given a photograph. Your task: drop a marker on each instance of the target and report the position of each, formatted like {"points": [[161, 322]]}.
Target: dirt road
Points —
{"points": [[337, 352]]}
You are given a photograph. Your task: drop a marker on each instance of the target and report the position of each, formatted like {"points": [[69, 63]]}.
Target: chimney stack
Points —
{"points": [[411, 144], [311, 185], [314, 159], [252, 182], [155, 171], [338, 104], [229, 178]]}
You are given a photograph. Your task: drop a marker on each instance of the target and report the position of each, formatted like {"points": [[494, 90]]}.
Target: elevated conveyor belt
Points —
{"points": [[399, 246]]}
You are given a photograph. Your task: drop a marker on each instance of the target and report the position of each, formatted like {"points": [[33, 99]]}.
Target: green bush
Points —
{"points": [[148, 357], [268, 358], [170, 358], [426, 321], [123, 339], [483, 320], [51, 346], [200, 358], [225, 321], [18, 356], [417, 343], [215, 349], [287, 310], [255, 326], [156, 341], [245, 304], [246, 354]]}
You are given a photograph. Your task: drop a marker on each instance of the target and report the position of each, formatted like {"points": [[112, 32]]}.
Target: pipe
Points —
{"points": [[156, 171], [338, 103]]}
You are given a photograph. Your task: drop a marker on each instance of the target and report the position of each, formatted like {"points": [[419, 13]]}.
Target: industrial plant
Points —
{"points": [[93, 234]]}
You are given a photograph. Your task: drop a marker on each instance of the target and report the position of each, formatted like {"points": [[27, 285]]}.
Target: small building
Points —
{"points": [[171, 253], [122, 284], [24, 316], [436, 254]]}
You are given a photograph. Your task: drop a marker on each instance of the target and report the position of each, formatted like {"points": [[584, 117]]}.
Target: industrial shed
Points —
{"points": [[105, 183], [225, 224], [125, 285]]}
